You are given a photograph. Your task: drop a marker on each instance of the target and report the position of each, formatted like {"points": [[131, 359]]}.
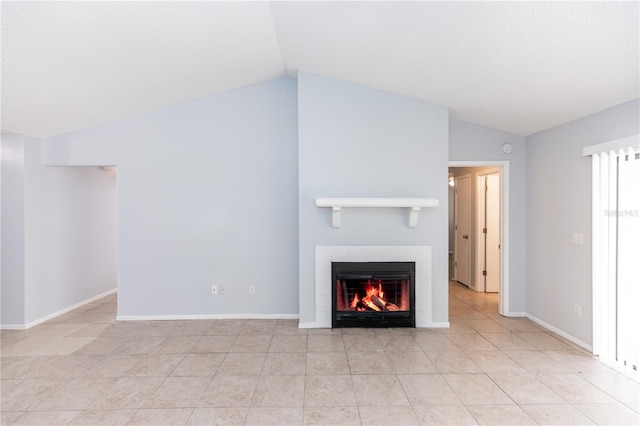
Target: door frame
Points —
{"points": [[503, 304]]}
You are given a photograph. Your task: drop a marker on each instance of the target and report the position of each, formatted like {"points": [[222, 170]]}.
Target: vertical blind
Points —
{"points": [[616, 251]]}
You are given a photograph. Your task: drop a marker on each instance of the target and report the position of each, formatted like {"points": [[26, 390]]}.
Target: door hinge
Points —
{"points": [[484, 230], [484, 273]]}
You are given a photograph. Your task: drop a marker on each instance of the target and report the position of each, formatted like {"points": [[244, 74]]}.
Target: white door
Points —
{"points": [[492, 236], [462, 225]]}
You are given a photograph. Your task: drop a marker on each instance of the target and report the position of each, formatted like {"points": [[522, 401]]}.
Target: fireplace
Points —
{"points": [[373, 294]]}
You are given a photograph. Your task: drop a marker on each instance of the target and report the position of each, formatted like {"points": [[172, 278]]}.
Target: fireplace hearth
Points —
{"points": [[373, 294]]}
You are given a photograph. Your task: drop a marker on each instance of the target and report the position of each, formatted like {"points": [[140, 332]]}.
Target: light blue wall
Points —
{"points": [[207, 194], [12, 227], [360, 142], [559, 204], [470, 142]]}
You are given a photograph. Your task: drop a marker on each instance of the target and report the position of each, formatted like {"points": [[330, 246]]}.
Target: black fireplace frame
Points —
{"points": [[372, 319]]}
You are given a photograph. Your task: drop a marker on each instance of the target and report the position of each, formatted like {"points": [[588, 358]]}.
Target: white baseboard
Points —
{"points": [[56, 314], [438, 325], [560, 333], [515, 314], [205, 317], [12, 327], [310, 325]]}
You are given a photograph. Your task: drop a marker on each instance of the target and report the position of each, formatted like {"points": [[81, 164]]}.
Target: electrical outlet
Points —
{"points": [[578, 239], [577, 310], [214, 289], [252, 289]]}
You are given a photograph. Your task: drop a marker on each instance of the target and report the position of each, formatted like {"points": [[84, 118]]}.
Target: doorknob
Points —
{"points": [[465, 236]]}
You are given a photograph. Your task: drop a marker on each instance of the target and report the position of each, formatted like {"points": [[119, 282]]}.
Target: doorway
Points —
{"points": [[480, 188]]}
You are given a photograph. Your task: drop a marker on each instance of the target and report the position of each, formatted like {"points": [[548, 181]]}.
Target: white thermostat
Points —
{"points": [[507, 148]]}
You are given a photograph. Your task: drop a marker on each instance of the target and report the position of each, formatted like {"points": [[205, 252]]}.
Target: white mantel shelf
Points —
{"points": [[414, 204]]}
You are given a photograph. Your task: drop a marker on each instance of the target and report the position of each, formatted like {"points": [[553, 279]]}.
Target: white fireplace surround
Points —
{"points": [[324, 255]]}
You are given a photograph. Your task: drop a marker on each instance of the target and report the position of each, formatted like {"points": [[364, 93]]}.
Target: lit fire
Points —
{"points": [[373, 299]]}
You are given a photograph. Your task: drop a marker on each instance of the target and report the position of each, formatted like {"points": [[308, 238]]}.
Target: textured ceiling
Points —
{"points": [[515, 66]]}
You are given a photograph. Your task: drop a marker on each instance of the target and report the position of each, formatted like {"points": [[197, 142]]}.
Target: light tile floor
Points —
{"points": [[84, 368]]}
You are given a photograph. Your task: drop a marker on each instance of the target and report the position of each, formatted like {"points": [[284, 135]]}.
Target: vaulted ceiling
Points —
{"points": [[516, 66]]}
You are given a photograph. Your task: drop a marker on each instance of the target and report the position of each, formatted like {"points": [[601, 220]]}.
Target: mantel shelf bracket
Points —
{"points": [[414, 204], [335, 216]]}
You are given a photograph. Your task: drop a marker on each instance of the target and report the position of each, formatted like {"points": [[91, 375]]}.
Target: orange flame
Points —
{"points": [[373, 299], [354, 302], [373, 290]]}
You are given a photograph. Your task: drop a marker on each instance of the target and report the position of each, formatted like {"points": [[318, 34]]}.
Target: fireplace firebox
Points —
{"points": [[373, 294]]}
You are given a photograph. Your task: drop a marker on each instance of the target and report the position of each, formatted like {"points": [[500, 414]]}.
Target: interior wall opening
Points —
{"points": [[478, 227]]}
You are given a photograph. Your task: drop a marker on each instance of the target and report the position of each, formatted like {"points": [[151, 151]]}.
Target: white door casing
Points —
{"points": [[492, 236]]}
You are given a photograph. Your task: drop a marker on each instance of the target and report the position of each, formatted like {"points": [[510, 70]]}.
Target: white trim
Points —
{"points": [[205, 317], [629, 141], [560, 333], [515, 314], [440, 325], [56, 314], [309, 325], [12, 327], [503, 305]]}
